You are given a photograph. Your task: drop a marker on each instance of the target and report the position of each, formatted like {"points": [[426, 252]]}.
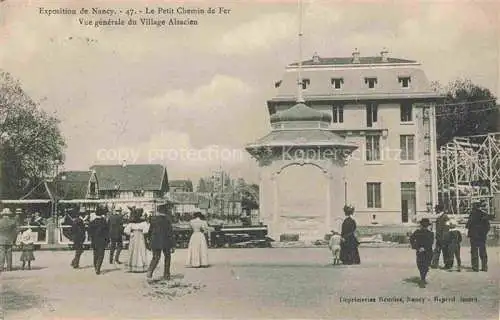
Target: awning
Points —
{"points": [[25, 201]]}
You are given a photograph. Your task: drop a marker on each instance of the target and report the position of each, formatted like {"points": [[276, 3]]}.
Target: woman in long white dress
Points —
{"points": [[198, 248], [138, 260]]}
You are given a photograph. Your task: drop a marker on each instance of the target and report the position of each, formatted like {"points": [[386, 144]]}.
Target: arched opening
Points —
{"points": [[302, 202]]}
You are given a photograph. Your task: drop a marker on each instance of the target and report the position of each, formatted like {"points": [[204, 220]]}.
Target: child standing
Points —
{"points": [[334, 245], [421, 240], [454, 240], [27, 247]]}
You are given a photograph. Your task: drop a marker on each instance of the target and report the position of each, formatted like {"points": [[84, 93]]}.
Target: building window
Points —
{"points": [[337, 82], [408, 201], [372, 148], [406, 112], [405, 81], [373, 193], [371, 114], [371, 82], [305, 83], [338, 114], [407, 144]]}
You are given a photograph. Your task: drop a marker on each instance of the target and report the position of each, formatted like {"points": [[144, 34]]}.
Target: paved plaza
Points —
{"points": [[253, 283]]}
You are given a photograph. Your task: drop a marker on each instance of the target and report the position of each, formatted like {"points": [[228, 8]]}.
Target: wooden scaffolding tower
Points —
{"points": [[469, 169]]}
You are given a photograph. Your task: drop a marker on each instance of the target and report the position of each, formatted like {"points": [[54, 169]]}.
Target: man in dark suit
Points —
{"points": [[78, 238], [99, 236], [441, 237], [115, 223], [478, 227], [161, 236]]}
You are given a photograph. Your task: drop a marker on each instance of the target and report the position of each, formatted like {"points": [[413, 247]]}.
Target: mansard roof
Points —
{"points": [[354, 83]]}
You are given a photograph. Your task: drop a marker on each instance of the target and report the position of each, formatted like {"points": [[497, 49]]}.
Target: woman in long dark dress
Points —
{"points": [[349, 253]]}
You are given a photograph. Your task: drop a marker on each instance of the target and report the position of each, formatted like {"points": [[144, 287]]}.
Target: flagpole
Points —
{"points": [[300, 98]]}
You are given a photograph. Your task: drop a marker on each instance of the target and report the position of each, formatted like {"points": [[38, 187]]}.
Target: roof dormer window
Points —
{"points": [[371, 82], [405, 81], [305, 83], [337, 82]]}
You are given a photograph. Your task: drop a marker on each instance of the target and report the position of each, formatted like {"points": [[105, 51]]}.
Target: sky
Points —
{"points": [[191, 97]]}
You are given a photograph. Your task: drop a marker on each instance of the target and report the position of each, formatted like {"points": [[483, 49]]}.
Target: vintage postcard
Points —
{"points": [[257, 159]]}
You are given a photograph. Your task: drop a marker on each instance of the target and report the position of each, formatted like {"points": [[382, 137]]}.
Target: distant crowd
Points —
{"points": [[150, 235]]}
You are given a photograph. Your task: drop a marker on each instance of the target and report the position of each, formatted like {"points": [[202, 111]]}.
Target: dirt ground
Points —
{"points": [[291, 283]]}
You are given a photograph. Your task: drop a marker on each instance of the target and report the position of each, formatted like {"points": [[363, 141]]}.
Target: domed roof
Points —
{"points": [[300, 112]]}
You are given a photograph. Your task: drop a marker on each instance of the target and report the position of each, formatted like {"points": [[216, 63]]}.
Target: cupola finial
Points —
{"points": [[384, 53], [355, 56], [315, 58]]}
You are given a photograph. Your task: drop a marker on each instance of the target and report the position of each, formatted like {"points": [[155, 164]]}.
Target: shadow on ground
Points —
{"points": [[294, 266], [18, 268], [412, 280], [105, 271]]}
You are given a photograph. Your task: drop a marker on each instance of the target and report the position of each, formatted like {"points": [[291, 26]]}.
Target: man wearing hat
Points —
{"points": [[421, 240], [162, 239], [78, 237], [115, 224], [8, 235], [478, 227], [99, 236]]}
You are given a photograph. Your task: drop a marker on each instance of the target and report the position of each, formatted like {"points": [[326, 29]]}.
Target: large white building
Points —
{"points": [[384, 106]]}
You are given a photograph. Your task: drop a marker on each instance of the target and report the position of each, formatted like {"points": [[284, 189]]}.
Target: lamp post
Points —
{"points": [[52, 226], [57, 162]]}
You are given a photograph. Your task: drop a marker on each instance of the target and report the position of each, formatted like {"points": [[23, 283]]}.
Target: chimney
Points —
{"points": [[315, 58], [384, 54], [355, 56]]}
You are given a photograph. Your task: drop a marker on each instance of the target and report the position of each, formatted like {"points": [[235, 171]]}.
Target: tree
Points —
{"points": [[468, 110], [249, 194], [30, 140]]}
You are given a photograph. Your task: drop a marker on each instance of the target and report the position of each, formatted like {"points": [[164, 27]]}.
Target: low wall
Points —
{"points": [[397, 233]]}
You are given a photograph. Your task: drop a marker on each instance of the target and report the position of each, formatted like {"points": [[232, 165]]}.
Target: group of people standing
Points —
{"points": [[150, 236], [10, 235], [448, 240], [154, 233]]}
